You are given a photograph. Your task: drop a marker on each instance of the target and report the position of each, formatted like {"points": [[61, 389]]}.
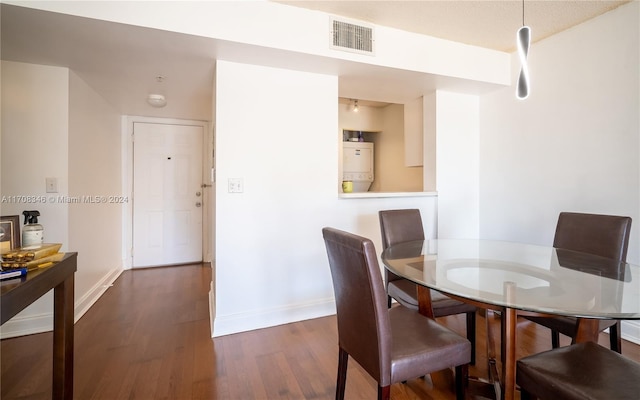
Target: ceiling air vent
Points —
{"points": [[351, 37]]}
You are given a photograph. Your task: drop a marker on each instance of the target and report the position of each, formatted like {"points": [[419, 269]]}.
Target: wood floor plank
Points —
{"points": [[148, 338]]}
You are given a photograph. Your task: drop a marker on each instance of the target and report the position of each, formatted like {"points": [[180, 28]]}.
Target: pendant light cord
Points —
{"points": [[522, 12]]}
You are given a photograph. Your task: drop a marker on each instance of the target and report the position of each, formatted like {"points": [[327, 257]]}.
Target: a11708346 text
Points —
{"points": [[63, 199]]}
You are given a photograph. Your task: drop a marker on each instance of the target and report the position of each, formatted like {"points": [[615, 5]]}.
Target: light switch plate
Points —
{"points": [[236, 185], [52, 185]]}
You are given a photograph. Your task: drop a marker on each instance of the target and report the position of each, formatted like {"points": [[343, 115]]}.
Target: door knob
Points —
{"points": [[198, 204], [198, 194]]}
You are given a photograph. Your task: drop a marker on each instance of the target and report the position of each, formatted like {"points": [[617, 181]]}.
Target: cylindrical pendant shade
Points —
{"points": [[523, 40]]}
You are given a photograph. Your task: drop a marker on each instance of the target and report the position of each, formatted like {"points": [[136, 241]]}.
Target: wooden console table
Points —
{"points": [[17, 294]]}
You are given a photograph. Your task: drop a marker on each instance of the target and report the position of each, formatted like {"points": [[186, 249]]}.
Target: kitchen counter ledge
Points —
{"points": [[364, 195]]}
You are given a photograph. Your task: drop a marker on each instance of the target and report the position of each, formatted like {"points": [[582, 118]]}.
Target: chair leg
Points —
{"points": [[614, 337], [384, 392], [555, 339], [341, 383], [462, 378], [471, 334], [524, 395]]}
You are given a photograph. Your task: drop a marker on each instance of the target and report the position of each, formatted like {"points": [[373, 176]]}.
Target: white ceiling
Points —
{"points": [[121, 61]]}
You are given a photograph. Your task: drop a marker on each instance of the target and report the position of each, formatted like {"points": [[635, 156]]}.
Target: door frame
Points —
{"points": [[127, 183]]}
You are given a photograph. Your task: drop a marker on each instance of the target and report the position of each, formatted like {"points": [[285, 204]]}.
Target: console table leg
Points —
{"points": [[63, 316]]}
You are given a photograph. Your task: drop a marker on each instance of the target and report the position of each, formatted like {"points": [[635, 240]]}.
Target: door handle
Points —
{"points": [[198, 204]]}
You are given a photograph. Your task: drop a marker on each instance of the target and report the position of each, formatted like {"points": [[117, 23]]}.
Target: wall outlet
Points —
{"points": [[52, 185], [236, 185]]}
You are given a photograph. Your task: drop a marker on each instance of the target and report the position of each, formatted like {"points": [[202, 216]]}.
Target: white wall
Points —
{"points": [[95, 229], [54, 125], [35, 123], [457, 163], [35, 112], [574, 144], [278, 131]]}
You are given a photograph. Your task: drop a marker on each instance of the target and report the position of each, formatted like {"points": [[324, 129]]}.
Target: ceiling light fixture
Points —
{"points": [[523, 39], [156, 99], [355, 106]]}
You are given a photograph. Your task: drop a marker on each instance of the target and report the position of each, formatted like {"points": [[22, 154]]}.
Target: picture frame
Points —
{"points": [[9, 233]]}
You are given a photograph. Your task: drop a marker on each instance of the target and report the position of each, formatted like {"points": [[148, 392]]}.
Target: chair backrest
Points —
{"points": [[364, 329], [600, 235], [399, 226]]}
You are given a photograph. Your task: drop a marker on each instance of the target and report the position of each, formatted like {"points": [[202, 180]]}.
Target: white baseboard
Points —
{"points": [[38, 323], [27, 325], [83, 304], [630, 331], [212, 308], [229, 324]]}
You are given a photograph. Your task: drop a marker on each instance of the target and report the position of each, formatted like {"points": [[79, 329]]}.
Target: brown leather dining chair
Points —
{"points": [[405, 225], [583, 371], [392, 345], [600, 235]]}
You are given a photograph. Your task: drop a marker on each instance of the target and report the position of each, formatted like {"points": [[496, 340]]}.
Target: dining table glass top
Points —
{"points": [[521, 276]]}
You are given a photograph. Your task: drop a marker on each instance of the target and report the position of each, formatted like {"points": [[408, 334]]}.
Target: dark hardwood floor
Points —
{"points": [[148, 338]]}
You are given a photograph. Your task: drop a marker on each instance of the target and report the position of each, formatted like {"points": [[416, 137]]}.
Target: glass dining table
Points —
{"points": [[519, 279]]}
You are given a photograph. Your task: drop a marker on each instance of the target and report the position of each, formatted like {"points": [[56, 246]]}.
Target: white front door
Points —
{"points": [[167, 194]]}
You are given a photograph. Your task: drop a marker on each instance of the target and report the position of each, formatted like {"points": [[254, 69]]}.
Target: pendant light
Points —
{"points": [[523, 40], [355, 106]]}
